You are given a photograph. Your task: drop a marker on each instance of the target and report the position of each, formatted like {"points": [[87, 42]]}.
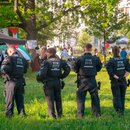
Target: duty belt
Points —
{"points": [[51, 79], [84, 76]]}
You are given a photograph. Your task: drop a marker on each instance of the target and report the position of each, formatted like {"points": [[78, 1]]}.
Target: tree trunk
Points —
{"points": [[30, 24], [30, 29], [104, 47]]}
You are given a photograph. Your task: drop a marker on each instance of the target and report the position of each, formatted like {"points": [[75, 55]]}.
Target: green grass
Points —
{"points": [[38, 118]]}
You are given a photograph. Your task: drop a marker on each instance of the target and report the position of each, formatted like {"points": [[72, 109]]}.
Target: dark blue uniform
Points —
{"points": [[52, 70], [118, 66], [1, 58], [13, 67], [86, 68]]}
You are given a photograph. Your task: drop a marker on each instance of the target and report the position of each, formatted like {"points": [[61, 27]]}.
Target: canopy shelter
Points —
{"points": [[6, 41], [11, 40], [20, 50], [122, 40]]}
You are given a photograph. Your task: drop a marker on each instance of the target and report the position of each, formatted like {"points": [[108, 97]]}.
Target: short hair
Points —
{"points": [[95, 49], [115, 51], [51, 51], [43, 48], [88, 46]]}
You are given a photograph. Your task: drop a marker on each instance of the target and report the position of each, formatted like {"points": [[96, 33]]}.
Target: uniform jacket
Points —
{"points": [[117, 66], [93, 63], [11, 62], [45, 71]]}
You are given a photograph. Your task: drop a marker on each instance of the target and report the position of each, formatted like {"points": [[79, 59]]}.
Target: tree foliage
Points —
{"points": [[43, 14], [44, 19], [104, 18], [84, 38], [8, 16]]}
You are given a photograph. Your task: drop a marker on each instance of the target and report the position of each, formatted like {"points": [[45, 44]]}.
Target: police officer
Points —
{"points": [[13, 67], [86, 68], [118, 69], [1, 58], [52, 70]]}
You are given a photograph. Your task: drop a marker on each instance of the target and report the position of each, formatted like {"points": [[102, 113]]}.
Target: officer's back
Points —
{"points": [[86, 68], [88, 65], [53, 67], [118, 69], [13, 67], [51, 72]]}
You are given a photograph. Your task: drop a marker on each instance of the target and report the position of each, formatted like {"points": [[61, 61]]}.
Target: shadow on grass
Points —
{"points": [[108, 121]]}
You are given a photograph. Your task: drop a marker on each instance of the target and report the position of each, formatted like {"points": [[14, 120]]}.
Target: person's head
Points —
{"points": [[115, 51], [43, 52], [51, 52], [11, 50], [43, 49], [88, 48], [123, 48], [95, 50]]}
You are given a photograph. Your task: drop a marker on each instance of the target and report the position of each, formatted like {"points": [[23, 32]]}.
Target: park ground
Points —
{"points": [[36, 108]]}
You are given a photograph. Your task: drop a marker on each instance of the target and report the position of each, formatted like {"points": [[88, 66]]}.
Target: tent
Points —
{"points": [[122, 40], [11, 40], [6, 41]]}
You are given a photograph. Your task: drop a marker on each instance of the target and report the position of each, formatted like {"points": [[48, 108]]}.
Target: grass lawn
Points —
{"points": [[36, 109]]}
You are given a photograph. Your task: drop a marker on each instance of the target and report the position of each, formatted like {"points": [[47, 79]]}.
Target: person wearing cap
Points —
{"points": [[118, 69], [50, 74], [13, 68], [86, 68]]}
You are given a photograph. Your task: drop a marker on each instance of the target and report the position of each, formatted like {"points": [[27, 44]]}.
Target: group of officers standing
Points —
{"points": [[52, 72]]}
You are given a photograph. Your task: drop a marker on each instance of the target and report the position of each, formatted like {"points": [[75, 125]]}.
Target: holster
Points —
{"points": [[128, 82], [98, 85], [77, 82], [44, 84], [24, 82], [6, 77], [62, 84]]}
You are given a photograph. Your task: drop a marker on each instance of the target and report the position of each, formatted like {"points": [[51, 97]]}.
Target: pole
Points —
{"points": [[104, 47]]}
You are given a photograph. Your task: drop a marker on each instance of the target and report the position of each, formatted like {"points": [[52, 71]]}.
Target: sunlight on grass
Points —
{"points": [[38, 118]]}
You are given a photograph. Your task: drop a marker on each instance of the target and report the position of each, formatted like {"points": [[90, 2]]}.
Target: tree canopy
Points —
{"points": [[45, 19]]}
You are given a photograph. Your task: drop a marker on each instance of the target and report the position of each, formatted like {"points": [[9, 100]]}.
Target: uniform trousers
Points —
{"points": [[52, 91], [14, 92], [118, 91], [88, 85]]}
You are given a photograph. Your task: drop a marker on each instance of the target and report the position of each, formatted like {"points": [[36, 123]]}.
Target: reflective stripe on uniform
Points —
{"points": [[20, 66], [88, 66], [120, 68]]}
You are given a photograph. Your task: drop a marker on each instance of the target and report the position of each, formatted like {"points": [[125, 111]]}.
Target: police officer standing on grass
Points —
{"points": [[13, 68], [51, 72], [86, 68], [118, 69]]}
